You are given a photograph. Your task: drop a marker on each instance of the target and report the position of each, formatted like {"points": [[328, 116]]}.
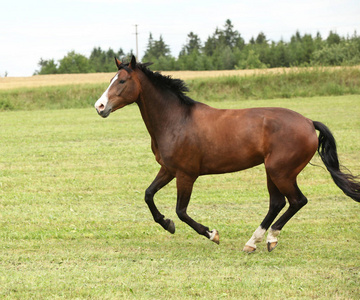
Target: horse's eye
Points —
{"points": [[122, 81]]}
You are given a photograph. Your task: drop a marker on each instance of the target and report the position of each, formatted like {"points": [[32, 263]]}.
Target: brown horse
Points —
{"points": [[190, 139]]}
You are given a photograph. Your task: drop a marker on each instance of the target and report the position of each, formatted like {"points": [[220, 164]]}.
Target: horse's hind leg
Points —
{"points": [[162, 179], [296, 200], [277, 203]]}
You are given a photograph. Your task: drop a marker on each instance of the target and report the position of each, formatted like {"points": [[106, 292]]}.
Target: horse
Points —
{"points": [[190, 139]]}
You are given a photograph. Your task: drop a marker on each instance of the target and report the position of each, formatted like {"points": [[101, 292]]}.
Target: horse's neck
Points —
{"points": [[159, 111]]}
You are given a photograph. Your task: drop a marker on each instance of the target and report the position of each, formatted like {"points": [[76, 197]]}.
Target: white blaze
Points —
{"points": [[104, 99]]}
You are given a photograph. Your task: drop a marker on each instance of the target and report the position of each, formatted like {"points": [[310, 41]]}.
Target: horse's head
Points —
{"points": [[124, 89]]}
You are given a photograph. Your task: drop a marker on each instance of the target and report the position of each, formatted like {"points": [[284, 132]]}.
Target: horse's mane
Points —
{"points": [[177, 86]]}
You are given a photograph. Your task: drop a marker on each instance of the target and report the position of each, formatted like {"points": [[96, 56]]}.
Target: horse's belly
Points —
{"points": [[229, 162]]}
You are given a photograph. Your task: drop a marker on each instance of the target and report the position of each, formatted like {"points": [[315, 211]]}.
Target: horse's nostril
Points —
{"points": [[100, 107]]}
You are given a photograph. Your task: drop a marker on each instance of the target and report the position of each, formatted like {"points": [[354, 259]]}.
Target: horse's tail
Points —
{"points": [[327, 151]]}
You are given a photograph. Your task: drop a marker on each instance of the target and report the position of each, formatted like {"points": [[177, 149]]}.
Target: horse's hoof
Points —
{"points": [[271, 246], [214, 236], [171, 226], [249, 249]]}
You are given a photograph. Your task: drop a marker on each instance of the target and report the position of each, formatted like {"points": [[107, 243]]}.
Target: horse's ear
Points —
{"points": [[118, 63], [133, 62]]}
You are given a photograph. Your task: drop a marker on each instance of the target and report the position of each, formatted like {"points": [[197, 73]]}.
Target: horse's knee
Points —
{"points": [[303, 201], [277, 206], [148, 195], [299, 203], [181, 213]]}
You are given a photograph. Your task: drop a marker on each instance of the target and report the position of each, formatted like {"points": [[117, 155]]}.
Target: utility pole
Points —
{"points": [[137, 46]]}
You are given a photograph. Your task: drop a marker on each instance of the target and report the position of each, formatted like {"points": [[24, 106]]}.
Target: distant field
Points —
{"points": [[82, 90], [69, 79]]}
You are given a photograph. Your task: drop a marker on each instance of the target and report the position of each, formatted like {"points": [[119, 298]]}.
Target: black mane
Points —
{"points": [[177, 86]]}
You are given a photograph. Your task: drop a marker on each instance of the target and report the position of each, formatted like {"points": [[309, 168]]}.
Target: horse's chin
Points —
{"points": [[117, 107]]}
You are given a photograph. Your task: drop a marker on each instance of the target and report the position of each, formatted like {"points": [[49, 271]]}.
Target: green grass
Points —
{"points": [[42, 98], [296, 83], [74, 225]]}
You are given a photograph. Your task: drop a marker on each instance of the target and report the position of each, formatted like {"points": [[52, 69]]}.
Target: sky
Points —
{"points": [[31, 30]]}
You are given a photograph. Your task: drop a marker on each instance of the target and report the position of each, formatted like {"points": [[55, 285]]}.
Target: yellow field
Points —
{"points": [[66, 79]]}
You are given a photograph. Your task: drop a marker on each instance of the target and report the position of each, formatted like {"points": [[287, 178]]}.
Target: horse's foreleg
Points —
{"points": [[184, 188], [162, 179]]}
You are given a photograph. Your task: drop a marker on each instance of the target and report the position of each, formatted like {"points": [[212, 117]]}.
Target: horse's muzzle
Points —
{"points": [[102, 110]]}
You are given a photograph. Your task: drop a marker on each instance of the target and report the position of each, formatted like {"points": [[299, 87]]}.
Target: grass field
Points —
{"points": [[74, 225], [7, 83]]}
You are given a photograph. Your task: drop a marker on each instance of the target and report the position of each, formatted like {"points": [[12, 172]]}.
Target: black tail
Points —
{"points": [[327, 151]]}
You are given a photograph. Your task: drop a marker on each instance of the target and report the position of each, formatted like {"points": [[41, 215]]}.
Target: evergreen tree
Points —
{"points": [[232, 37], [261, 47], [318, 41], [149, 49], [103, 61], [261, 39], [296, 52], [156, 49], [279, 55], [228, 37], [193, 43], [210, 46], [333, 39], [308, 48]]}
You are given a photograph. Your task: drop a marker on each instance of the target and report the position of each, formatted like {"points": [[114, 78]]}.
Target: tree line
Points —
{"points": [[225, 49]]}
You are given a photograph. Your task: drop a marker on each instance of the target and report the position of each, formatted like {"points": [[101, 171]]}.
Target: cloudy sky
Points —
{"points": [[30, 30]]}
